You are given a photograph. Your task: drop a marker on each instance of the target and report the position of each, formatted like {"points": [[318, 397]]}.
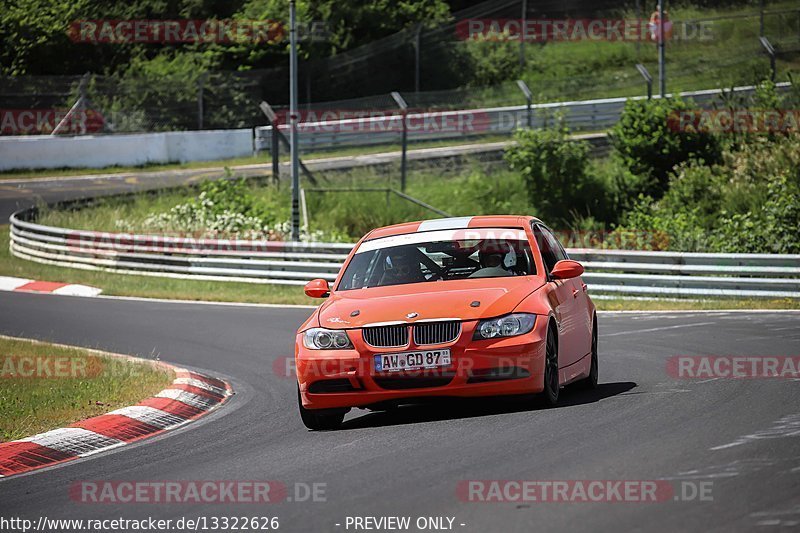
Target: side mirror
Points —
{"points": [[317, 288], [567, 269]]}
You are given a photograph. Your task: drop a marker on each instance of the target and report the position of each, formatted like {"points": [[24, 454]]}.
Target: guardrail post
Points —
{"points": [[304, 209], [528, 99], [272, 117], [79, 104], [404, 141], [648, 78], [771, 53]]}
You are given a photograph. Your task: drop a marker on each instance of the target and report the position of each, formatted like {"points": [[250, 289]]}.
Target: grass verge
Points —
{"points": [[67, 385], [213, 291], [623, 304]]}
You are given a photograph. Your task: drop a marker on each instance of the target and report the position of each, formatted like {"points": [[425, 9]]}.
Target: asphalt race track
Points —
{"points": [[640, 424]]}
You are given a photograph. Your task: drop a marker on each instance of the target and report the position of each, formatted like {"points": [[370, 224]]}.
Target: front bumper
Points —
{"points": [[332, 379]]}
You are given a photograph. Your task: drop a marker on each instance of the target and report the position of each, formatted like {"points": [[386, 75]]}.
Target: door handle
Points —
{"points": [[584, 286], [575, 293]]}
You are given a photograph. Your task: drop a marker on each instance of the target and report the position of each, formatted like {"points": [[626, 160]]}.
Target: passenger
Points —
{"points": [[496, 260]]}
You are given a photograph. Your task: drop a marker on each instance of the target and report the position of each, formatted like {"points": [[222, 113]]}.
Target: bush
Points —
{"points": [[749, 204], [651, 149], [493, 59], [228, 208], [763, 216], [621, 188], [773, 230], [554, 169]]}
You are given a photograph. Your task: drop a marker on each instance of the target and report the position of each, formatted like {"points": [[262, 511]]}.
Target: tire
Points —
{"points": [[320, 420], [590, 382], [549, 396]]}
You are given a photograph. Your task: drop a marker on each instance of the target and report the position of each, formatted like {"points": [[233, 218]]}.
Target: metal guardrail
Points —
{"points": [[620, 272], [586, 115]]}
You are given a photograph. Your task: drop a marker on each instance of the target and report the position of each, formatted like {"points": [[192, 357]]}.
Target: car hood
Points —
{"points": [[430, 300]]}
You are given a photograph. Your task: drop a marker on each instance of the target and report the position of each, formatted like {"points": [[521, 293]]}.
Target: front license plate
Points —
{"points": [[394, 362]]}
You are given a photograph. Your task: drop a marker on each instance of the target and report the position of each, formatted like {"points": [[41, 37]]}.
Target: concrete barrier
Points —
{"points": [[97, 151]]}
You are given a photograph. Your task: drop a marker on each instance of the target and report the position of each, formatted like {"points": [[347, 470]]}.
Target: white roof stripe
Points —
{"points": [[443, 235], [445, 223]]}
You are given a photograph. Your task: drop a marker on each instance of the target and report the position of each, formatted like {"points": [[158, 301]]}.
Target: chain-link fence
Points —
{"points": [[435, 68]]}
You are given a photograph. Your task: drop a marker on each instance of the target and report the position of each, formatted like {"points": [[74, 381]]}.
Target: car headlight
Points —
{"points": [[326, 339], [504, 326]]}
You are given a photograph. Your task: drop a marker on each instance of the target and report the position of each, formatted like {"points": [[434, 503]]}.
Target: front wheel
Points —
{"points": [[549, 396], [319, 420]]}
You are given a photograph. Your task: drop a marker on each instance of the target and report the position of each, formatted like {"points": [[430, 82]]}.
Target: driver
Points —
{"points": [[496, 260], [399, 268]]}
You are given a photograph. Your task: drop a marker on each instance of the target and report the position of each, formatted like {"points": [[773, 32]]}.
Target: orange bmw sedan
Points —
{"points": [[455, 307]]}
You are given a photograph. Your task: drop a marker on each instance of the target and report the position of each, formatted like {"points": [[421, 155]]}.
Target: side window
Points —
{"points": [[562, 254], [551, 249]]}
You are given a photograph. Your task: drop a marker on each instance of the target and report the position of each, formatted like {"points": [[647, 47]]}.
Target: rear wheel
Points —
{"points": [[549, 395], [320, 420], [590, 382]]}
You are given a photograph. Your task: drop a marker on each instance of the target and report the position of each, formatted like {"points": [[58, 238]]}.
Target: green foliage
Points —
{"points": [[482, 193], [750, 203], [230, 195], [475, 192], [650, 145], [163, 82], [493, 59], [620, 188], [767, 173], [223, 207], [33, 37], [554, 169]]}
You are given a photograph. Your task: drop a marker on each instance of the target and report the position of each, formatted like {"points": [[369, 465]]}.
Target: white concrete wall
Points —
{"points": [[96, 151]]}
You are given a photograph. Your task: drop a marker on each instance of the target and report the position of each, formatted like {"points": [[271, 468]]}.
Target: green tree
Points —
{"points": [[650, 141], [554, 169]]}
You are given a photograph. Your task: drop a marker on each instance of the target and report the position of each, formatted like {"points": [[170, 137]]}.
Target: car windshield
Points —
{"points": [[439, 256]]}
